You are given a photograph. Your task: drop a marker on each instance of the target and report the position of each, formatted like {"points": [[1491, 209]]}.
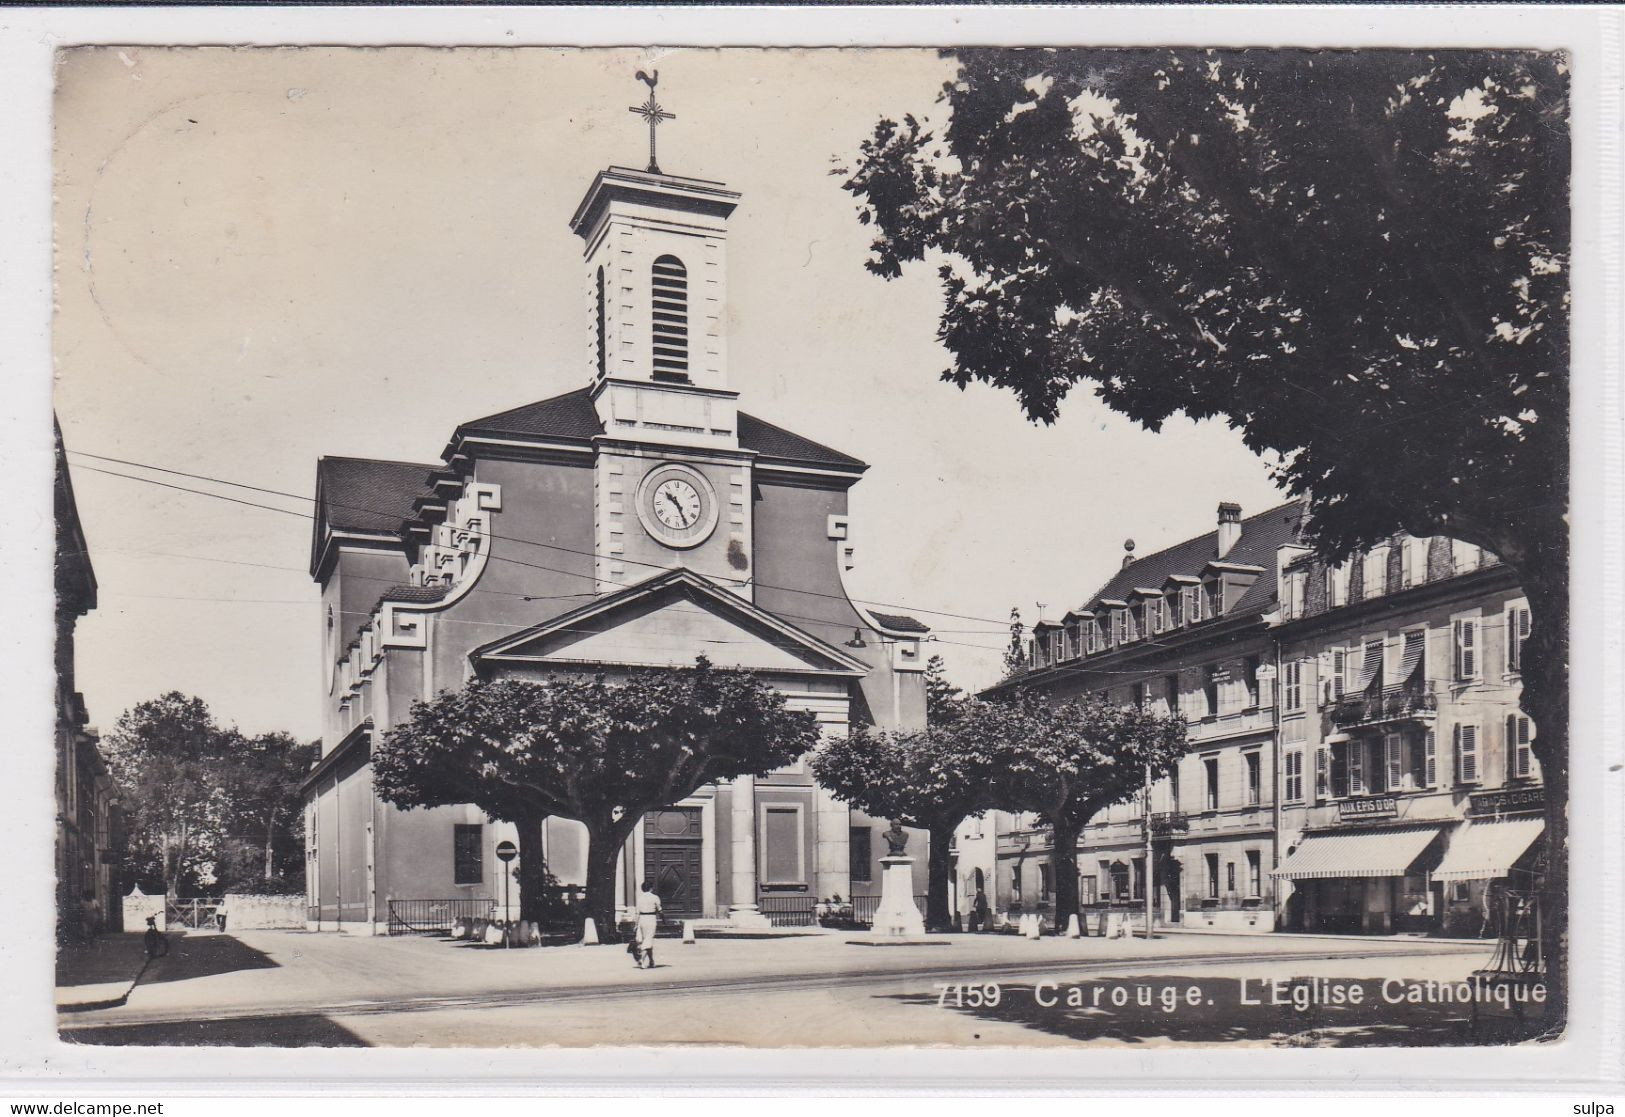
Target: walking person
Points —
{"points": [[648, 923], [979, 914]]}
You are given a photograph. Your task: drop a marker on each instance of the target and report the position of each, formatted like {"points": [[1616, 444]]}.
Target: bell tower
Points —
{"points": [[672, 486], [655, 248]]}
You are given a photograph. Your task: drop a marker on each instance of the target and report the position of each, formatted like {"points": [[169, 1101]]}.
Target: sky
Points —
{"points": [[266, 255]]}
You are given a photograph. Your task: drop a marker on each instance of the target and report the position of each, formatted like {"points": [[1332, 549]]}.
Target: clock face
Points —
{"points": [[676, 504]]}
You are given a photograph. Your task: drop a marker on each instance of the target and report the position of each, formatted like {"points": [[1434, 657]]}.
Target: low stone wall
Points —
{"points": [[138, 905], [247, 912]]}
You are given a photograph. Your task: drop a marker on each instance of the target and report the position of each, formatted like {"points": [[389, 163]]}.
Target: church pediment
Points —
{"points": [[668, 621]]}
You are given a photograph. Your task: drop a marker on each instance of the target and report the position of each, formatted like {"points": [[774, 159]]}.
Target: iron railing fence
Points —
{"points": [[1394, 703], [789, 911], [427, 917]]}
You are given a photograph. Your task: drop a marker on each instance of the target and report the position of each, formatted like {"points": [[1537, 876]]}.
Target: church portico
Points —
{"points": [[639, 521]]}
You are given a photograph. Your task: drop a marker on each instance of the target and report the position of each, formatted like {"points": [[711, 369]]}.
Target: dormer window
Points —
{"points": [[1173, 607], [1213, 597], [1193, 603], [669, 319]]}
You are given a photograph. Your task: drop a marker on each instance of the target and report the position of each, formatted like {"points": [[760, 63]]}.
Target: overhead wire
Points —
{"points": [[999, 624]]}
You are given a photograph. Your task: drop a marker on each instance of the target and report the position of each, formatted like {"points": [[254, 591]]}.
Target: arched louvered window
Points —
{"points": [[601, 341], [670, 319]]}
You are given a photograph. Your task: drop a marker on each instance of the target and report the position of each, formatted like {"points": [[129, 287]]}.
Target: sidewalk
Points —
{"points": [[98, 974], [271, 972]]}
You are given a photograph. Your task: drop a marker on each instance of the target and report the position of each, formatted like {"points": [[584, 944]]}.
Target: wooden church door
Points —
{"points": [[671, 858]]}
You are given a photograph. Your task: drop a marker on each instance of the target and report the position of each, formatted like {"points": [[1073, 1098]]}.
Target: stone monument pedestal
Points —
{"points": [[897, 917], [748, 917]]}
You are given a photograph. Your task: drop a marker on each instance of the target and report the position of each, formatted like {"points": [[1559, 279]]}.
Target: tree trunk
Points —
{"points": [[533, 869], [1064, 871], [604, 841], [270, 835], [1545, 698], [939, 867]]}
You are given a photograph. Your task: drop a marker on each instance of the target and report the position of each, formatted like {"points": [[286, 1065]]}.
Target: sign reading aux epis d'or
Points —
{"points": [[1375, 807]]}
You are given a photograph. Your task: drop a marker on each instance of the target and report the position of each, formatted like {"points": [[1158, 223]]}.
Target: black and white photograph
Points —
{"points": [[972, 547]]}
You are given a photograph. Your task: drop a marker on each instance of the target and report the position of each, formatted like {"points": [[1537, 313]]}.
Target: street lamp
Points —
{"points": [[506, 852]]}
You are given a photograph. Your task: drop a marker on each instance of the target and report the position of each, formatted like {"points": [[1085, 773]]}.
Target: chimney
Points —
{"points": [[1128, 554], [1229, 527]]}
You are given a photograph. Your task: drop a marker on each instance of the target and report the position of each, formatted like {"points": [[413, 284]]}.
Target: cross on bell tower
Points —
{"points": [[651, 111]]}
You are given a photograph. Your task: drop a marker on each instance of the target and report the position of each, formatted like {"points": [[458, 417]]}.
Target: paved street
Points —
{"points": [[298, 989]]}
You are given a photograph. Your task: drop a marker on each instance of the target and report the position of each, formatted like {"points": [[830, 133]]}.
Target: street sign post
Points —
{"points": [[506, 852]]}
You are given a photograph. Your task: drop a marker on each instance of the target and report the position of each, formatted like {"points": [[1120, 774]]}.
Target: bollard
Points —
{"points": [[1034, 930], [1073, 930], [688, 931], [589, 934]]}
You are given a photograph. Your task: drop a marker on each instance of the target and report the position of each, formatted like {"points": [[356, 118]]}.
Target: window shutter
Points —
{"points": [[1518, 756], [1467, 648], [1517, 632], [1430, 763], [1467, 753], [1340, 667], [1356, 767], [1393, 755], [1323, 773]]}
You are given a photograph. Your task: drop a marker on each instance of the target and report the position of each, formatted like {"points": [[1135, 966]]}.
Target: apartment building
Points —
{"points": [[1357, 763]]}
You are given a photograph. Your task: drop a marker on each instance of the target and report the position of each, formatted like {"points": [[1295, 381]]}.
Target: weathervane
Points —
{"points": [[651, 111]]}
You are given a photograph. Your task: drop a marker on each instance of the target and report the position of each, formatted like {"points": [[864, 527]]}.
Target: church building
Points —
{"points": [[640, 520]]}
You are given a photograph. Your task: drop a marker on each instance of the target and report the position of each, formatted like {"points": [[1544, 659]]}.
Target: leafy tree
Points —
{"points": [[1069, 761], [931, 779], [1358, 259], [942, 699], [263, 846], [167, 755], [583, 748], [1015, 653]]}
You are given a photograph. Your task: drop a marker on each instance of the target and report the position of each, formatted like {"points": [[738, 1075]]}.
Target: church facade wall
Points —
{"points": [[529, 552]]}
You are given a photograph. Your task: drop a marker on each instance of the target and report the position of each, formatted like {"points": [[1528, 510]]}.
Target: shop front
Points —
{"points": [[1369, 880], [1496, 851]]}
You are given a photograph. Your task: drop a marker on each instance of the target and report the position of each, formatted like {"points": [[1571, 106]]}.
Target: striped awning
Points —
{"points": [[1357, 853], [1411, 657], [1370, 667], [1486, 850]]}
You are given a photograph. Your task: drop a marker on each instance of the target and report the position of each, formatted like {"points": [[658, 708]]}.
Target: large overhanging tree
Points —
{"points": [[600, 752], [932, 779], [1069, 761], [1357, 259]]}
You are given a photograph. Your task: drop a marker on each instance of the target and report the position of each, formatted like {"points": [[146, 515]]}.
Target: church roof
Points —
{"points": [[414, 595], [898, 622], [1261, 536], [571, 417], [775, 442], [369, 494]]}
